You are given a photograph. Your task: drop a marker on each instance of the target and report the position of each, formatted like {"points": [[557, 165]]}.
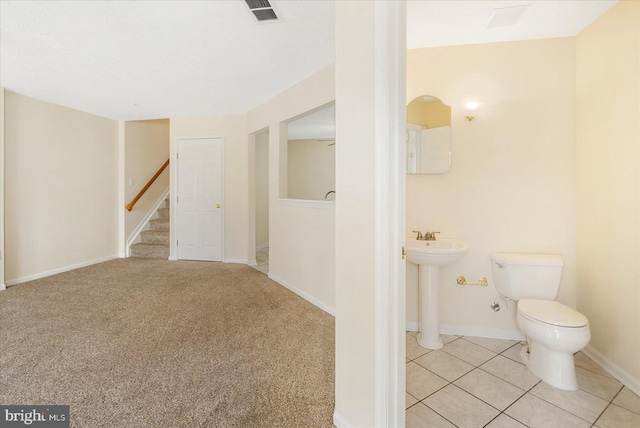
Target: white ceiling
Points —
{"points": [[463, 22], [317, 125], [132, 60]]}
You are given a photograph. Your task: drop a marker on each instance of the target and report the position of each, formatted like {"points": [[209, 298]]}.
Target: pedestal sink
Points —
{"points": [[430, 256]]}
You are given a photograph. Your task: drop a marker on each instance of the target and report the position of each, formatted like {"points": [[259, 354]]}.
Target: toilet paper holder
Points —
{"points": [[482, 281]]}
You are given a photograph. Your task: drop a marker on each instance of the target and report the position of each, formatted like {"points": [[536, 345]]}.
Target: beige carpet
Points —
{"points": [[152, 343]]}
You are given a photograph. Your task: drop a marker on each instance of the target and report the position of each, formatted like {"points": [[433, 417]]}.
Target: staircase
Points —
{"points": [[155, 240]]}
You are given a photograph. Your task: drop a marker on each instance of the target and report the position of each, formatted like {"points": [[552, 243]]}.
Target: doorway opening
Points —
{"points": [[261, 182]]}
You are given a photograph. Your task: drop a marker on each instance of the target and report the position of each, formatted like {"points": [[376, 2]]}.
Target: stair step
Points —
{"points": [[163, 213], [150, 250], [160, 224], [155, 237]]}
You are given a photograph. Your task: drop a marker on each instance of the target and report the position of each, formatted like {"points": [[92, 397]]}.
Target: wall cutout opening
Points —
{"points": [[310, 155]]}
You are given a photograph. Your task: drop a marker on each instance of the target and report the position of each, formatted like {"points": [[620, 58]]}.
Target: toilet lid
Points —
{"points": [[550, 312]]}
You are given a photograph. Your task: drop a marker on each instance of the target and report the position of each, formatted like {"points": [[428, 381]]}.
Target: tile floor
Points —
{"points": [[478, 382], [262, 257]]}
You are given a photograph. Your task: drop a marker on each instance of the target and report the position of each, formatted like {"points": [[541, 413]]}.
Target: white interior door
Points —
{"points": [[199, 205]]}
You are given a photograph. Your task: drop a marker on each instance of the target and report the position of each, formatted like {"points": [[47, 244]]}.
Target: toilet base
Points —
{"points": [[555, 368]]}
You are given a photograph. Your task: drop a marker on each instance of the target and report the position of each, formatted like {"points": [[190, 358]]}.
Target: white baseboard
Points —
{"points": [[412, 326], [3, 287], [173, 258], [253, 262], [60, 270], [340, 422], [262, 247], [309, 298], [240, 261], [491, 333], [613, 369]]}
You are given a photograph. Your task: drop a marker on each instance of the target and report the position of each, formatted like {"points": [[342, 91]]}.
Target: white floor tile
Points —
{"points": [[504, 421], [446, 338], [264, 268], [456, 393], [617, 417], [413, 350], [579, 403], [628, 400], [420, 416], [490, 389], [450, 400], [581, 360], [596, 384], [421, 382], [444, 365], [409, 400], [508, 370], [513, 353], [495, 345], [537, 413], [469, 352]]}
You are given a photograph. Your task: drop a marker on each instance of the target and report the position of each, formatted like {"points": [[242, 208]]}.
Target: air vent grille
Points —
{"points": [[506, 16], [258, 4], [261, 9]]}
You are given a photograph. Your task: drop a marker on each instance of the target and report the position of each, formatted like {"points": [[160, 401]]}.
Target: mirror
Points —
{"points": [[311, 156], [428, 136]]}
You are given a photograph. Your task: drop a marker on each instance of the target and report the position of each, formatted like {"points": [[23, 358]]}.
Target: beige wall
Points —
{"points": [[301, 238], [311, 169], [262, 188], [511, 186], [608, 179], [61, 174], [236, 196], [146, 150]]}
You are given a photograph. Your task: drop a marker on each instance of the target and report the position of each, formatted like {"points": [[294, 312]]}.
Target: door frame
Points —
{"points": [[174, 186], [251, 244], [390, 213]]}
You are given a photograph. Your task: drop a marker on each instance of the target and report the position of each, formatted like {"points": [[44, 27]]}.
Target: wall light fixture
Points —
{"points": [[471, 107]]}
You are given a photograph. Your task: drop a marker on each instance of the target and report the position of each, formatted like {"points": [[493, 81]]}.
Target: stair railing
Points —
{"points": [[129, 207]]}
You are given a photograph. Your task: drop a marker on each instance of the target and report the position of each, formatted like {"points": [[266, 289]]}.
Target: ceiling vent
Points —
{"points": [[262, 10], [506, 16]]}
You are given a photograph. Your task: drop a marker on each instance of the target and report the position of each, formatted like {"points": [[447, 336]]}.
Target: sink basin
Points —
{"points": [[442, 252], [430, 256]]}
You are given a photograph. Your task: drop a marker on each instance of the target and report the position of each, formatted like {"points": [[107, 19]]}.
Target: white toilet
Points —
{"points": [[554, 331]]}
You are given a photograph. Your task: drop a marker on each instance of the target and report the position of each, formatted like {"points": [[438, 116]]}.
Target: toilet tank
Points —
{"points": [[527, 276]]}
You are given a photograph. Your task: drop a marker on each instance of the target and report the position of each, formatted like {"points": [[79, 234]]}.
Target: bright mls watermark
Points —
{"points": [[34, 416]]}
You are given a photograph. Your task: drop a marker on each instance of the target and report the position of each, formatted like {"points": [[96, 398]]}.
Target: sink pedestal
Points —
{"points": [[429, 256], [428, 283]]}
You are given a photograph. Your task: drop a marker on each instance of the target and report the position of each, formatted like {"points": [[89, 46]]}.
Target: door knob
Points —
{"points": [[217, 205]]}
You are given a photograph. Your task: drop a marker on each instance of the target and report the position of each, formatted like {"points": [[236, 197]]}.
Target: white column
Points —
{"points": [[2, 169], [370, 289]]}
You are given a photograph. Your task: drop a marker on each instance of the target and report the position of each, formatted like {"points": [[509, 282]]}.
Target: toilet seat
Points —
{"points": [[551, 313]]}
